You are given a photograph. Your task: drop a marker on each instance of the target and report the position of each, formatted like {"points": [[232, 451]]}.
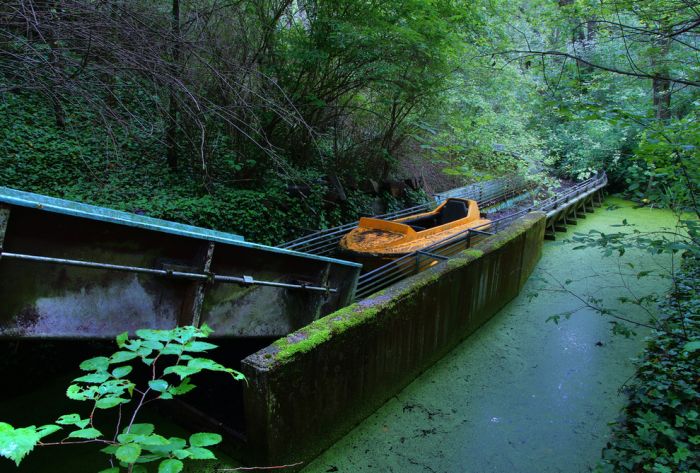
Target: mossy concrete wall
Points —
{"points": [[308, 389]]}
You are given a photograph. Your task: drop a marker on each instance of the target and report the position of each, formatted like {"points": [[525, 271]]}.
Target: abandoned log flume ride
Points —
{"points": [[313, 386], [561, 209], [486, 194], [73, 270]]}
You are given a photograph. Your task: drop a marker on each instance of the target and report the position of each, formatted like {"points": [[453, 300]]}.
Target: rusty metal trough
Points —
{"points": [[72, 270]]}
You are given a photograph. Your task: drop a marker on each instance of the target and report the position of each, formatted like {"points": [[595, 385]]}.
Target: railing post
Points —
{"points": [[4, 218]]}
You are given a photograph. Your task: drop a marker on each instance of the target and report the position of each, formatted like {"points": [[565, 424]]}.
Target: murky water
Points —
{"points": [[521, 395]]}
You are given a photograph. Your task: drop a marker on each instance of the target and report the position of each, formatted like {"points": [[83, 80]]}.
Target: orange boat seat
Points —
{"points": [[453, 210]]}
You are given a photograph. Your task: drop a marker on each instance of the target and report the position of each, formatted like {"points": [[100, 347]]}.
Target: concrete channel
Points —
{"points": [[521, 394]]}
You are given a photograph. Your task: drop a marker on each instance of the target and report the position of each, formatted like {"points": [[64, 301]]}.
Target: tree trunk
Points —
{"points": [[662, 98], [59, 114], [172, 119], [661, 87]]}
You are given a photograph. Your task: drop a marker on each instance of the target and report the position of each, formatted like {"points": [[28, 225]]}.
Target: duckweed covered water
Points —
{"points": [[521, 395]]}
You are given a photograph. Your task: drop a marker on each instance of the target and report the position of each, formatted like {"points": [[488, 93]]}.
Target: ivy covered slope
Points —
{"points": [[661, 429], [82, 162]]}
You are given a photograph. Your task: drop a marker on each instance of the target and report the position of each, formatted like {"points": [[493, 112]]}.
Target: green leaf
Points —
{"points": [[76, 393], [681, 454], [181, 371], [199, 453], [68, 419], [48, 429], [173, 349], [99, 363], [89, 433], [181, 454], [114, 469], [156, 335], [141, 429], [95, 378], [206, 364], [197, 346], [15, 444], [183, 388], [109, 402], [73, 419], [122, 356], [122, 339], [691, 347], [153, 344], [144, 352], [170, 466], [109, 449], [205, 330], [174, 443], [204, 439], [121, 371], [128, 453], [159, 385], [149, 457], [154, 440]]}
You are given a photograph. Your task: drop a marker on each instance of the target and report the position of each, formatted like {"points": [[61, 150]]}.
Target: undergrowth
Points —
{"points": [[660, 430], [125, 170]]}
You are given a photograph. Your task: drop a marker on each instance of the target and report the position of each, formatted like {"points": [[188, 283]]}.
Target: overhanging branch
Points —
{"points": [[640, 74]]}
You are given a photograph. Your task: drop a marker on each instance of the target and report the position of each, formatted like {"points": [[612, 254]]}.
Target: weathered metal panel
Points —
{"points": [[48, 300]]}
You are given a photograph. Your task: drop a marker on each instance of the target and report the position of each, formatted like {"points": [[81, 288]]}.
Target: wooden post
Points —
{"points": [[192, 308], [4, 218]]}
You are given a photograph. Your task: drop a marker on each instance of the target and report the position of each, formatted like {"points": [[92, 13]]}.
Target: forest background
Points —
{"points": [[237, 115]]}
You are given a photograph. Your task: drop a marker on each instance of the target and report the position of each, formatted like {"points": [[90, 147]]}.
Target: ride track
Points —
{"points": [[562, 209]]}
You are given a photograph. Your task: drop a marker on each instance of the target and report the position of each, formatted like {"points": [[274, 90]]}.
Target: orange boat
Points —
{"points": [[389, 239]]}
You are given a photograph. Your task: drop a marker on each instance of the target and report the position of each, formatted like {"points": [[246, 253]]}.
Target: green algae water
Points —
{"points": [[521, 395]]}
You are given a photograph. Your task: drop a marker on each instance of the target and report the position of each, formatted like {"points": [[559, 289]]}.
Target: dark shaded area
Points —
{"points": [[218, 396], [453, 210]]}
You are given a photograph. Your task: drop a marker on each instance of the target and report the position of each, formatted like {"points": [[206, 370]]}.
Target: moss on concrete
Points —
{"points": [[321, 330]]}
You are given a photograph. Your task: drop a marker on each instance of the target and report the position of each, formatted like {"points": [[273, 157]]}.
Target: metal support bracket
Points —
{"points": [[433, 255], [481, 232]]}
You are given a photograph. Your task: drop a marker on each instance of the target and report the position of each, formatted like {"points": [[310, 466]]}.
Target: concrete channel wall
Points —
{"points": [[311, 387]]}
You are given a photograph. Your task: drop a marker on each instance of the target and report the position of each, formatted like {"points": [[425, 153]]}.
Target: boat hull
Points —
{"points": [[375, 242]]}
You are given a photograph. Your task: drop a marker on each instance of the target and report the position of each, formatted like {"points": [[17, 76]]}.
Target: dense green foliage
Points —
{"points": [[297, 91], [71, 163], [242, 115], [661, 428], [171, 358]]}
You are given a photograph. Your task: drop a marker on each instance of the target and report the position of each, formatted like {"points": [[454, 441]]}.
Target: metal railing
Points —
{"points": [[413, 263], [418, 261], [565, 198], [324, 242], [196, 276]]}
